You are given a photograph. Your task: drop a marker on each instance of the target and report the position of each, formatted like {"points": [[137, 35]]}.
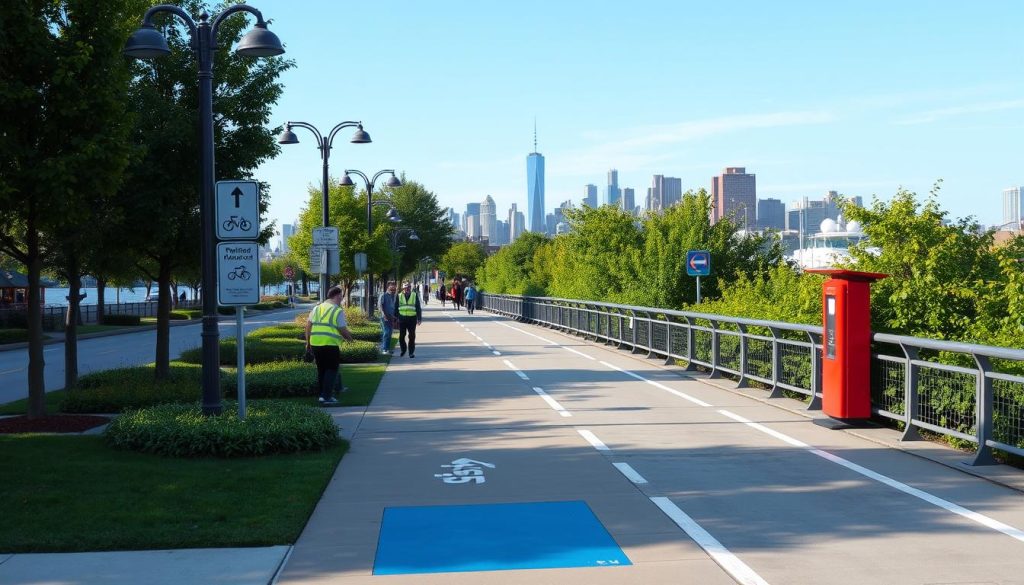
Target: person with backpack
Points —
{"points": [[470, 295]]}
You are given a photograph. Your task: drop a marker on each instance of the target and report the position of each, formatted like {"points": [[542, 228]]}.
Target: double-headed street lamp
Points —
{"points": [[346, 180], [394, 237], [324, 144], [148, 42]]}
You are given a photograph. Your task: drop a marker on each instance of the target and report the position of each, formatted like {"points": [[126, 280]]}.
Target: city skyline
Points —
{"points": [[860, 100]]}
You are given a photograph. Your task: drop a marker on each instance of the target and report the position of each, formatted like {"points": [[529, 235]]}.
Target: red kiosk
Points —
{"points": [[846, 340]]}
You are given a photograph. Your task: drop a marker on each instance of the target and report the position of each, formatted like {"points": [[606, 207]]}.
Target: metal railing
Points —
{"points": [[54, 316], [972, 392]]}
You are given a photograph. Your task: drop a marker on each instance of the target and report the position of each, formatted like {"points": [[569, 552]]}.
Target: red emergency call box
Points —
{"points": [[846, 341]]}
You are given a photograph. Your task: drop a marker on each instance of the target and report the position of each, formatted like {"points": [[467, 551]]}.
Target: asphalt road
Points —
{"points": [[115, 351]]}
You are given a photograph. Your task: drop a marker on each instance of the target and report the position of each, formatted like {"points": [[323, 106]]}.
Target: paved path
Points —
{"points": [[695, 483]]}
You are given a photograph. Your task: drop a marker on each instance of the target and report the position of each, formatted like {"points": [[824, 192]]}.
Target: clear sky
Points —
{"points": [[859, 97]]}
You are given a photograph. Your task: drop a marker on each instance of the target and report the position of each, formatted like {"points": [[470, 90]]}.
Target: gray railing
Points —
{"points": [[53, 316], [975, 393]]}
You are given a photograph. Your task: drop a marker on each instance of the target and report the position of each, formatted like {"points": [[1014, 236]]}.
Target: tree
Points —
{"points": [[463, 258], [421, 212], [62, 83], [592, 260], [164, 95], [515, 269]]}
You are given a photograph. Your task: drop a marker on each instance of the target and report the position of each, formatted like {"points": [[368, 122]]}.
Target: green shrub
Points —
{"points": [[13, 335], [136, 387], [179, 430], [358, 352], [284, 330], [367, 332], [179, 316], [279, 304], [274, 298], [129, 320], [262, 306], [356, 317], [256, 351], [226, 310], [273, 380]]}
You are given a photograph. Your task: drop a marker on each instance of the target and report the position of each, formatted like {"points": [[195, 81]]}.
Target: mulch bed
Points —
{"points": [[59, 423]]}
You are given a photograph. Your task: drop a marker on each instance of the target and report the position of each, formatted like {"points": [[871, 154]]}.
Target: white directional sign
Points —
{"points": [[238, 210], [326, 237], [238, 273]]}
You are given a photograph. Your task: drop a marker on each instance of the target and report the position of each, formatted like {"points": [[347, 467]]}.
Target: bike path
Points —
{"points": [[694, 483]]}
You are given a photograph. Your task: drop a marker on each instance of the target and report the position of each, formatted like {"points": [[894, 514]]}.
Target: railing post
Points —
{"points": [[776, 364], [742, 383], [650, 334], [714, 350], [983, 413], [815, 403], [632, 328], [668, 340], [691, 341], [910, 395]]}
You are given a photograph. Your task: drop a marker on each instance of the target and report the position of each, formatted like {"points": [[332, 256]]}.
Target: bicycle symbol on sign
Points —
{"points": [[239, 272], [237, 222]]}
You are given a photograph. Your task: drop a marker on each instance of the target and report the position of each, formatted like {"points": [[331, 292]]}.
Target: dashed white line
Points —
{"points": [[593, 440], [518, 372], [552, 402], [495, 352], [672, 391], [630, 473], [728, 561], [982, 519]]}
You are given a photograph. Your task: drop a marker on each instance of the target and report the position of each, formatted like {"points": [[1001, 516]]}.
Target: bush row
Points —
{"points": [[364, 332], [280, 349], [182, 430], [13, 335]]}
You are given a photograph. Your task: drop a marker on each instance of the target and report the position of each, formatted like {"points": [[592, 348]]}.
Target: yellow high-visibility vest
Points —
{"points": [[406, 306], [324, 320]]}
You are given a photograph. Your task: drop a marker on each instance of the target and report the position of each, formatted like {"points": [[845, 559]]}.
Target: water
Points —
{"points": [[57, 296]]}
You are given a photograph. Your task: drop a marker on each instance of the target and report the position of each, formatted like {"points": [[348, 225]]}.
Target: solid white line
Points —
{"points": [[11, 371], [552, 402], [728, 561], [593, 440], [982, 519], [496, 352], [545, 340], [579, 353], [672, 391], [630, 473]]}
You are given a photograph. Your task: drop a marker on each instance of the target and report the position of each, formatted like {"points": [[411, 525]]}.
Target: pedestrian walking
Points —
{"points": [[325, 328], [388, 317], [442, 293], [470, 295], [410, 314], [426, 294], [457, 294]]}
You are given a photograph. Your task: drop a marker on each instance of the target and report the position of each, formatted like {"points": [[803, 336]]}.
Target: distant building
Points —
{"points": [[627, 199], [664, 192], [771, 214], [516, 223], [805, 216], [535, 188], [287, 231], [550, 221], [1013, 208], [590, 196], [488, 218], [611, 195], [501, 236], [734, 194], [453, 218], [471, 221]]}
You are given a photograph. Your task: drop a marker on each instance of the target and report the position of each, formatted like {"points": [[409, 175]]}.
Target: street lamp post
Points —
{"points": [[392, 215], [394, 236], [324, 144], [147, 42]]}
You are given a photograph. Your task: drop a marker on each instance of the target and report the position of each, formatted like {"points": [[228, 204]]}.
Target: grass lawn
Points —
{"points": [[362, 381], [75, 494], [53, 401]]}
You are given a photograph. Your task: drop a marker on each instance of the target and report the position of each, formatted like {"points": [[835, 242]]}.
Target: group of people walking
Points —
{"points": [[402, 310], [462, 292]]}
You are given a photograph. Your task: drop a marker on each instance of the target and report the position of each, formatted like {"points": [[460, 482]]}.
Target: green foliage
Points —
{"points": [[120, 389], [279, 349], [128, 320], [273, 380], [284, 330], [179, 430], [13, 335], [783, 294], [463, 258], [512, 270], [187, 314]]}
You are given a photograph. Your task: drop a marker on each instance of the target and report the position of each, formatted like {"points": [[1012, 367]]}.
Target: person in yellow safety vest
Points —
{"points": [[409, 316], [325, 328]]}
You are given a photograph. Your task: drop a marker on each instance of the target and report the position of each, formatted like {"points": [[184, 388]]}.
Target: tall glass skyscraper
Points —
{"points": [[535, 188]]}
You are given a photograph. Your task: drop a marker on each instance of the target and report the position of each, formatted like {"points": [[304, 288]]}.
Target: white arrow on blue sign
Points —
{"points": [[698, 263]]}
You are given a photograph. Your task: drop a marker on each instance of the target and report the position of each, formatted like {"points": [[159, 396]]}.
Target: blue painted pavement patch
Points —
{"points": [[493, 537]]}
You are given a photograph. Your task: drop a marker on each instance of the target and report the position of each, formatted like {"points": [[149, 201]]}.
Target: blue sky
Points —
{"points": [[857, 97]]}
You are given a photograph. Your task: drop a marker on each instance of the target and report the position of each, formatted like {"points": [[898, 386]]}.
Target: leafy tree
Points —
{"points": [[421, 212], [65, 148], [592, 260], [514, 268], [463, 258], [272, 272], [164, 182]]}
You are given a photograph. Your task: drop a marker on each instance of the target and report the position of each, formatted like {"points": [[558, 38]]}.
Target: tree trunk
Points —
{"points": [[36, 380], [163, 321], [71, 327], [101, 301]]}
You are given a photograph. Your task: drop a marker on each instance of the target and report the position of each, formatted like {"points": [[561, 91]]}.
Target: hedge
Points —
{"points": [[280, 349], [134, 387], [129, 320], [273, 380], [13, 335], [368, 332], [182, 430]]}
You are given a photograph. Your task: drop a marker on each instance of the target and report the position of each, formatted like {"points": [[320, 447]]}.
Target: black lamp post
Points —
{"points": [[392, 215], [394, 236], [324, 144], [147, 42]]}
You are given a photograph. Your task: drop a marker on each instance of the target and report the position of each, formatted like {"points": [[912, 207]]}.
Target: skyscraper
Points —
{"points": [[488, 219], [287, 231], [771, 214], [664, 192], [471, 221], [611, 196], [1013, 207], [734, 193], [590, 196], [516, 223], [535, 187], [627, 199]]}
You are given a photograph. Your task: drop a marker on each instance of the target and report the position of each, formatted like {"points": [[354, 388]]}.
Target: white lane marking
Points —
{"points": [[579, 353], [552, 402], [496, 352], [728, 561], [516, 370], [982, 519], [593, 440], [682, 395], [11, 371], [630, 473], [544, 339]]}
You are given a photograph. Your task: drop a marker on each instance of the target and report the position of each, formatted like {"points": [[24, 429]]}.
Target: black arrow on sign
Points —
{"points": [[237, 194]]}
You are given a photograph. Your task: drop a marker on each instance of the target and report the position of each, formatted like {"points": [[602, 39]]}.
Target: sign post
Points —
{"points": [[238, 284], [325, 241], [698, 263]]}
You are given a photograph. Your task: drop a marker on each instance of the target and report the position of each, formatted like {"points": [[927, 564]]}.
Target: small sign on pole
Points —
{"points": [[238, 210], [360, 261], [698, 263]]}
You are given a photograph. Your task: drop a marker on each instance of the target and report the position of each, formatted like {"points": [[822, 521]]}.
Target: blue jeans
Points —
{"points": [[385, 334]]}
